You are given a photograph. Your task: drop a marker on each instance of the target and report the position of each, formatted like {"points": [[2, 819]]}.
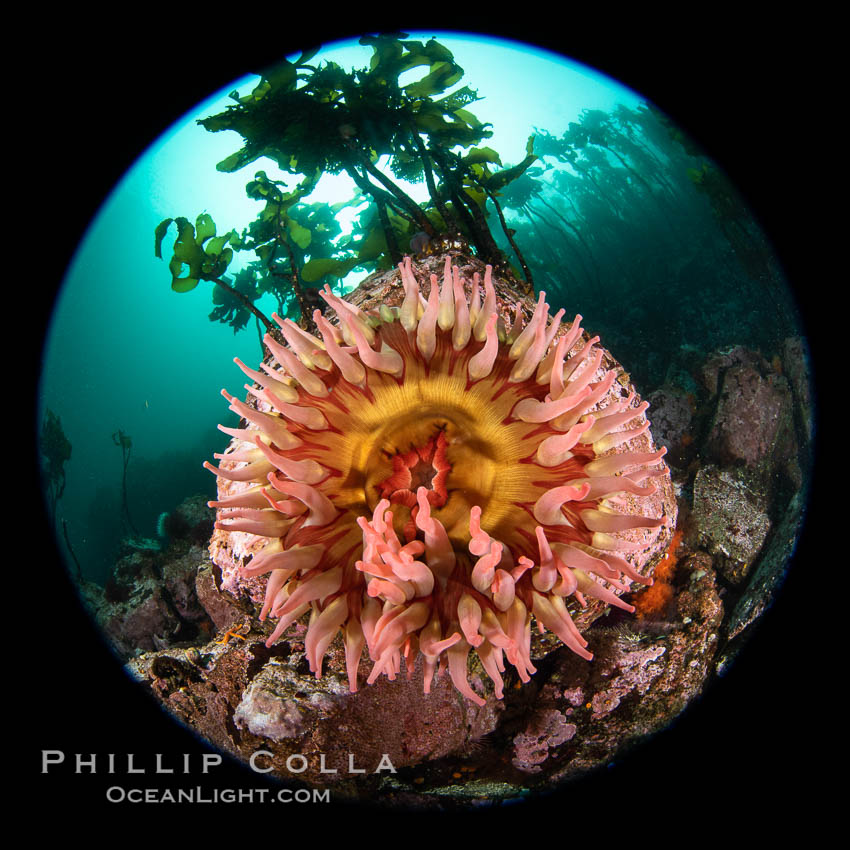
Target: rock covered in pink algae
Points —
{"points": [[752, 418], [547, 730]]}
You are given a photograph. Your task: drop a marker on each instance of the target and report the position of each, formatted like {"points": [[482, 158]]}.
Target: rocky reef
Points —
{"points": [[150, 602], [738, 429]]}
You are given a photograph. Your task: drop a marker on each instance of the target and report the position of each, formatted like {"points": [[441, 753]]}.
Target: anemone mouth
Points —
{"points": [[424, 464], [426, 479]]}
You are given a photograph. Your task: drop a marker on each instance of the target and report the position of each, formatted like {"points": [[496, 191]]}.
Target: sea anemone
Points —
{"points": [[428, 478]]}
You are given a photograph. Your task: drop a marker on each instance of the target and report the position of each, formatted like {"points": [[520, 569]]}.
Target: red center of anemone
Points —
{"points": [[423, 466]]}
